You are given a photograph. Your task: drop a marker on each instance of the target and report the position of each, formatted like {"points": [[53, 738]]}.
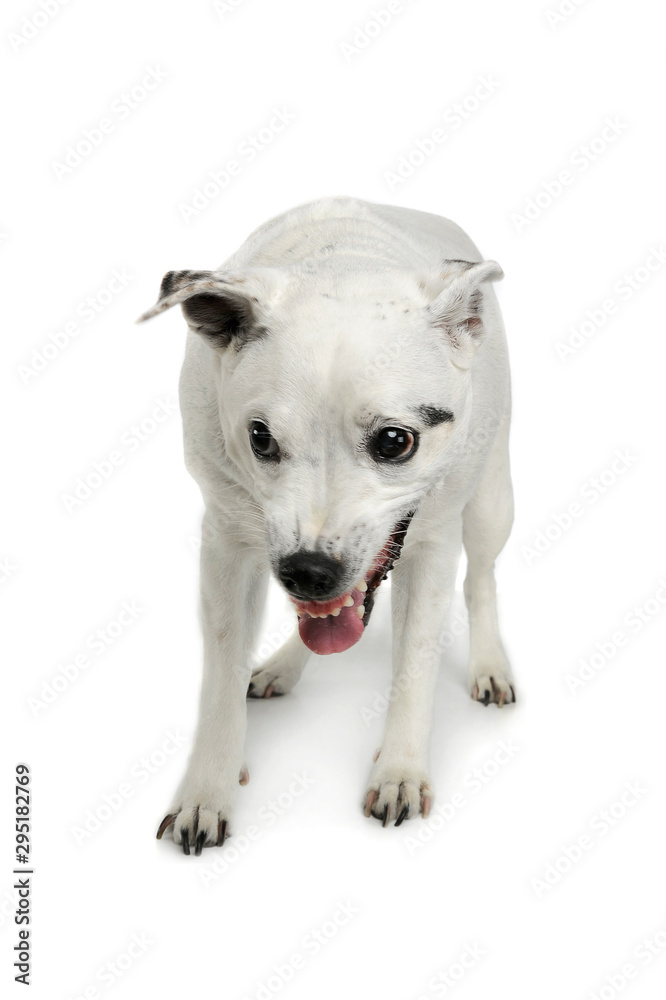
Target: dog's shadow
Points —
{"points": [[328, 727]]}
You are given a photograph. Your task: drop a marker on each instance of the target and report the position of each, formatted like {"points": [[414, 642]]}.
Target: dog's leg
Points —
{"points": [[231, 593], [281, 670], [487, 521], [422, 587]]}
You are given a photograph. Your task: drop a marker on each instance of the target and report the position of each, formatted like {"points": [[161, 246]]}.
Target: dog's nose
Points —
{"points": [[310, 575]]}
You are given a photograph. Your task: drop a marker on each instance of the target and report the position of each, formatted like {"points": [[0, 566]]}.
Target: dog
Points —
{"points": [[346, 403]]}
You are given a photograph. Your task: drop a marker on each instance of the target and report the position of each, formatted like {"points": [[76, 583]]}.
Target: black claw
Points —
{"points": [[201, 840], [385, 817], [250, 691], [221, 831], [513, 693], [403, 815], [486, 698], [185, 835]]}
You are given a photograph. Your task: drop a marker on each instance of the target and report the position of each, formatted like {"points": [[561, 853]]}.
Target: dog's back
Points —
{"points": [[404, 236]]}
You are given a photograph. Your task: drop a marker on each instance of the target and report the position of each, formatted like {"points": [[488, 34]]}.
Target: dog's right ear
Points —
{"points": [[222, 306]]}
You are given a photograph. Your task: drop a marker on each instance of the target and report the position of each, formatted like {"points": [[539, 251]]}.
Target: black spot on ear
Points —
{"points": [[433, 415], [217, 319], [167, 284], [216, 306], [222, 320], [173, 280]]}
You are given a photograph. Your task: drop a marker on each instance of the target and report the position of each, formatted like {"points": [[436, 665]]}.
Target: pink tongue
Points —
{"points": [[331, 635]]}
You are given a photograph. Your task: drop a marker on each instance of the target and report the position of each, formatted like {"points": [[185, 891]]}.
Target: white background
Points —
{"points": [[479, 882]]}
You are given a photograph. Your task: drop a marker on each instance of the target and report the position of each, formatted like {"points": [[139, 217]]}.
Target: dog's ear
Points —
{"points": [[458, 309], [222, 306]]}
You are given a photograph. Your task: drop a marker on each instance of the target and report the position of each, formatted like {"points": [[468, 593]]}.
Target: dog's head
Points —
{"points": [[342, 404]]}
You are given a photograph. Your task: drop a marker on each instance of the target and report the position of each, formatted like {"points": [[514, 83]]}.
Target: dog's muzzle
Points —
{"points": [[333, 624]]}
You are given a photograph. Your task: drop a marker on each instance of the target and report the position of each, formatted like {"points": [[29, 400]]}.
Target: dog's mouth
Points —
{"points": [[333, 626]]}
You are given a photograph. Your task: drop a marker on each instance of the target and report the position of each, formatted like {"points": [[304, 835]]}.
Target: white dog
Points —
{"points": [[346, 401]]}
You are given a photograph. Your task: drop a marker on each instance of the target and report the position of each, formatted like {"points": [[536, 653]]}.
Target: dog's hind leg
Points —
{"points": [[281, 670], [487, 520]]}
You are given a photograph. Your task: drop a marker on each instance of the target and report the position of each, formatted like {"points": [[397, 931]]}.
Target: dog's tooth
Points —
{"points": [[362, 586], [360, 611], [334, 614], [349, 602]]}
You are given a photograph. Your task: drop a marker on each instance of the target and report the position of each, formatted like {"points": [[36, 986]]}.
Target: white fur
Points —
{"points": [[341, 286]]}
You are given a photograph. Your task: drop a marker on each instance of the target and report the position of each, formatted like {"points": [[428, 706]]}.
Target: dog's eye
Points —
{"points": [[263, 443], [393, 444]]}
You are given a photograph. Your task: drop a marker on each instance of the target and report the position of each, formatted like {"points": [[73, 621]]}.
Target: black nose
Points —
{"points": [[311, 576]]}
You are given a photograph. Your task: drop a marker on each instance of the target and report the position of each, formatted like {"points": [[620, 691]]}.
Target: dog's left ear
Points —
{"points": [[221, 306], [458, 309]]}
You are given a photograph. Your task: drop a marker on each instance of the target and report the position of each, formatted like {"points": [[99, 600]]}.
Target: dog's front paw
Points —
{"points": [[200, 820], [196, 826], [397, 791], [492, 685]]}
